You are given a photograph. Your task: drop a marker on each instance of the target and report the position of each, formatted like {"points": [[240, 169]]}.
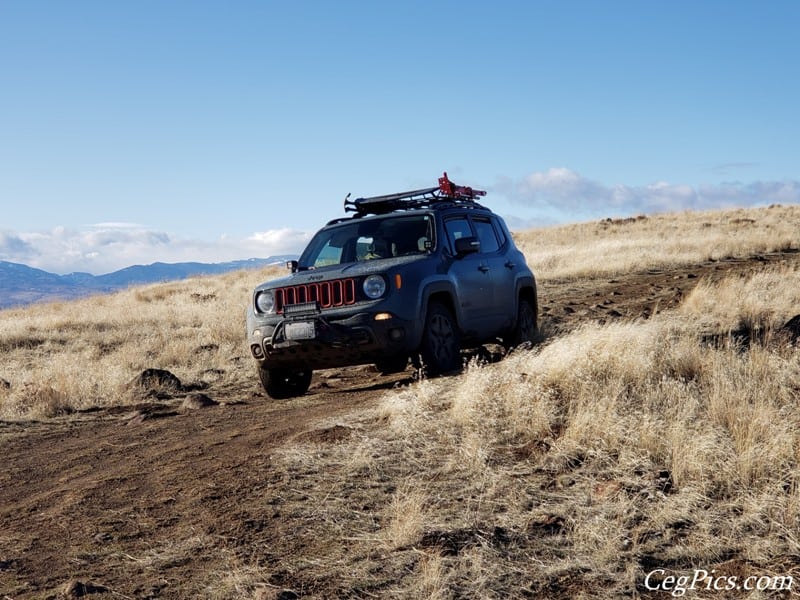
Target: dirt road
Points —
{"points": [[130, 502]]}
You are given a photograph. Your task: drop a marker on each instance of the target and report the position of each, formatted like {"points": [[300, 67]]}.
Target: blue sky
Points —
{"points": [[132, 132]]}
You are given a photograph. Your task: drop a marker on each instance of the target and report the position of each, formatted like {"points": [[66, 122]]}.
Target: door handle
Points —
{"points": [[510, 265], [483, 269]]}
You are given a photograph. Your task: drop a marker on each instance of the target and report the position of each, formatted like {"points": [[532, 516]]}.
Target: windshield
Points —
{"points": [[372, 239]]}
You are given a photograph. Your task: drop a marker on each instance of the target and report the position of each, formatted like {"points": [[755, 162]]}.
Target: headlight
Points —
{"points": [[374, 286], [265, 302]]}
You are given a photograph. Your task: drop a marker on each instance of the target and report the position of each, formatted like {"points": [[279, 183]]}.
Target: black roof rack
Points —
{"points": [[445, 193]]}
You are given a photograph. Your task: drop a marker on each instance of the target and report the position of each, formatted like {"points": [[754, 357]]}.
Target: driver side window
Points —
{"points": [[456, 229]]}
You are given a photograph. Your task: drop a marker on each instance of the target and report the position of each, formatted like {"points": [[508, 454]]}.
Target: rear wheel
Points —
{"points": [[440, 350], [284, 383], [525, 327]]}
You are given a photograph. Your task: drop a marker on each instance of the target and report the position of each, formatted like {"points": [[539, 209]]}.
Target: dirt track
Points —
{"points": [[99, 497]]}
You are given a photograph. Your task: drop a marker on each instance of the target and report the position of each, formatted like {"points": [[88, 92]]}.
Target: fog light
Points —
{"points": [[257, 351], [397, 334], [257, 333], [383, 316]]}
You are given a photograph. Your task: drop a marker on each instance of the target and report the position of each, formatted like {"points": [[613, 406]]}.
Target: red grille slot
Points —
{"points": [[329, 294]]}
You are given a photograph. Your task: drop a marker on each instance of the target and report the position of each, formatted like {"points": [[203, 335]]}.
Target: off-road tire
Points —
{"points": [[440, 350], [284, 383], [525, 327]]}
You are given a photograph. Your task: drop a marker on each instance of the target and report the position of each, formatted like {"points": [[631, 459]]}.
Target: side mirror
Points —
{"points": [[467, 245], [292, 265]]}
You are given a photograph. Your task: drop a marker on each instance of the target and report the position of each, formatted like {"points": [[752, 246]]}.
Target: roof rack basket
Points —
{"points": [[445, 192]]}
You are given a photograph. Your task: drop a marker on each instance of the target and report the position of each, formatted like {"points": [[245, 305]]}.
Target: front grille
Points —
{"points": [[328, 294]]}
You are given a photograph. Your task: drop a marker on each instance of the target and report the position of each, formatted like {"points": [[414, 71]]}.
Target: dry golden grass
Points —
{"points": [[66, 356], [764, 301], [623, 245], [406, 515], [575, 469], [636, 441], [571, 470]]}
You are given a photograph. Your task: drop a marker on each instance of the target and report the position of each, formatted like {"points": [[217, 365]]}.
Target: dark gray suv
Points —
{"points": [[417, 275]]}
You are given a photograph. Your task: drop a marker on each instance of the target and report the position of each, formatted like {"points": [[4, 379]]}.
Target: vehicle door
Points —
{"points": [[473, 282], [501, 271]]}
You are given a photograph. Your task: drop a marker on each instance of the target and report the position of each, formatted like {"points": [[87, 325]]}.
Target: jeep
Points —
{"points": [[418, 275]]}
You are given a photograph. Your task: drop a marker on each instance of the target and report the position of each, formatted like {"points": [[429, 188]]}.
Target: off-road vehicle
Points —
{"points": [[417, 275]]}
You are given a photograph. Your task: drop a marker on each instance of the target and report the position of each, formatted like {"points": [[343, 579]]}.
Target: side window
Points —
{"points": [[486, 235], [498, 228], [456, 229]]}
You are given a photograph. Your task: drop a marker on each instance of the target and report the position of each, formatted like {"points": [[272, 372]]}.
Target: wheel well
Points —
{"points": [[529, 294], [445, 299]]}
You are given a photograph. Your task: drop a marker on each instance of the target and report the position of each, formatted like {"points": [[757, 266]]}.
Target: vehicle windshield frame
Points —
{"points": [[402, 235]]}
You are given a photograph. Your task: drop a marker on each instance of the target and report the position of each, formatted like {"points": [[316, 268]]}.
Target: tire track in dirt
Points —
{"points": [[565, 303]]}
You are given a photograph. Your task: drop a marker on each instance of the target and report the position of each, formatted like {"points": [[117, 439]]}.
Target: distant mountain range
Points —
{"points": [[21, 285]]}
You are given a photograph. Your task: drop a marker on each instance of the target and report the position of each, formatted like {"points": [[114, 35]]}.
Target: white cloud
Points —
{"points": [[565, 195], [279, 238], [116, 225], [105, 247]]}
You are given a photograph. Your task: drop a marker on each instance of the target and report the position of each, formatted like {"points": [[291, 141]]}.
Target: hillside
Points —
{"points": [[654, 429]]}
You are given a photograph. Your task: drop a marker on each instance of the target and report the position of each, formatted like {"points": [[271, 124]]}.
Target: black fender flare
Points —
{"points": [[526, 286], [441, 288]]}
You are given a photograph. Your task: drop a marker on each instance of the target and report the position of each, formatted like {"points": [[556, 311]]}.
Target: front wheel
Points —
{"points": [[284, 383], [441, 345]]}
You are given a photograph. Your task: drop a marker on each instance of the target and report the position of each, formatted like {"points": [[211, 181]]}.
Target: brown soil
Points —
{"points": [[105, 504]]}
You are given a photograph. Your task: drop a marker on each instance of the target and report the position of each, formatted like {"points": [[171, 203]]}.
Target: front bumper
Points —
{"points": [[339, 341]]}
